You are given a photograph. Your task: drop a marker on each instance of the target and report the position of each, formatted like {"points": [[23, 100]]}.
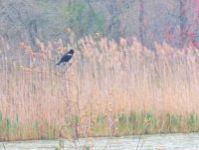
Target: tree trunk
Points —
{"points": [[141, 21], [183, 22]]}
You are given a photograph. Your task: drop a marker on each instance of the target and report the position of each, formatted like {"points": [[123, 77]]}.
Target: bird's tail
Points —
{"points": [[58, 63]]}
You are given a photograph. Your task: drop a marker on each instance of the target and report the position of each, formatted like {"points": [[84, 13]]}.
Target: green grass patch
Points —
{"points": [[101, 125]]}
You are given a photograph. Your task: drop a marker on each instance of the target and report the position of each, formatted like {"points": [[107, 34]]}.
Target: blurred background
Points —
{"points": [[173, 22], [135, 69]]}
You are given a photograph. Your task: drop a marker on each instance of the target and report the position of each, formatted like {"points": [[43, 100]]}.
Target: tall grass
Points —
{"points": [[110, 89]]}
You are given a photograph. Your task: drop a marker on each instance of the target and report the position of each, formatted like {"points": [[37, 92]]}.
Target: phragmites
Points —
{"points": [[106, 78]]}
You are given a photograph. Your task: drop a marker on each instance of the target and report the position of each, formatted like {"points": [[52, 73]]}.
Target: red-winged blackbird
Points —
{"points": [[66, 57]]}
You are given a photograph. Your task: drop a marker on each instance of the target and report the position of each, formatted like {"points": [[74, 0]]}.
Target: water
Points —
{"points": [[146, 142]]}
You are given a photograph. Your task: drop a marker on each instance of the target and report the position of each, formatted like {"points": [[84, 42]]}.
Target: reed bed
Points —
{"points": [[110, 89]]}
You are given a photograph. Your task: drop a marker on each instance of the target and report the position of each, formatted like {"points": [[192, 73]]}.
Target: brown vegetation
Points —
{"points": [[106, 79]]}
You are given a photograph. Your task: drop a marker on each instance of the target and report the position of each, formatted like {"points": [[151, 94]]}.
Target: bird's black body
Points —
{"points": [[66, 57]]}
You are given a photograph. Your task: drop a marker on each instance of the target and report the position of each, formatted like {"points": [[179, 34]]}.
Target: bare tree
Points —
{"points": [[141, 20], [183, 22]]}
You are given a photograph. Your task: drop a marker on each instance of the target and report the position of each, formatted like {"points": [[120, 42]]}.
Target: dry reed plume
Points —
{"points": [[105, 78]]}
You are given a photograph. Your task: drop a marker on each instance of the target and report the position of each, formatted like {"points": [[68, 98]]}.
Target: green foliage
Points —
{"points": [[139, 125], [149, 122], [47, 130], [173, 122], [57, 148], [100, 119], [61, 145], [122, 119], [192, 122], [8, 123], [86, 147], [132, 122], [82, 19], [70, 127], [1, 118], [36, 127], [99, 125], [122, 123], [17, 119]]}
